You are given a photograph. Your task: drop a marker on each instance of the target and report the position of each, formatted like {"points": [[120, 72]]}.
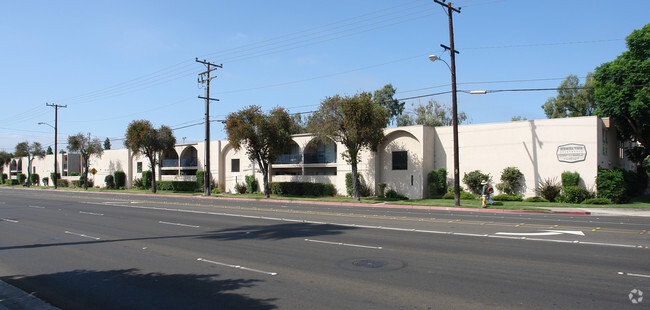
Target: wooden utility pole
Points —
{"points": [[453, 52], [204, 78]]}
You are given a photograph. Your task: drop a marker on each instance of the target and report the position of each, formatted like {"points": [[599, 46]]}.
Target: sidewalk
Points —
{"points": [[608, 211], [12, 298]]}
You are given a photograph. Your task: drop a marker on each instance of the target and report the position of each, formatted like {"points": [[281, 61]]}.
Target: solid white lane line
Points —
{"points": [[81, 235], [90, 213], [345, 244], [8, 220], [237, 266], [634, 274], [178, 224], [36, 207]]}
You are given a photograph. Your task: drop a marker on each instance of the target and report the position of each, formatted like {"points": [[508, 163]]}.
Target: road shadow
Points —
{"points": [[277, 232], [129, 289]]}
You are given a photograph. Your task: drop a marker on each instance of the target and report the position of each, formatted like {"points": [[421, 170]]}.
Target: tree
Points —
{"points": [[572, 99], [5, 159], [49, 151], [263, 136], [433, 114], [623, 93], [517, 118], [86, 147], [357, 122], [384, 98], [24, 149], [143, 138], [107, 144]]}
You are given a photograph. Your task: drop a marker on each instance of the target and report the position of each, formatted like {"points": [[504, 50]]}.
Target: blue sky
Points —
{"points": [[117, 61]]}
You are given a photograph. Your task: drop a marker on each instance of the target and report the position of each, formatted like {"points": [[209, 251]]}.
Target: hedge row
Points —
{"points": [[302, 189], [177, 186]]}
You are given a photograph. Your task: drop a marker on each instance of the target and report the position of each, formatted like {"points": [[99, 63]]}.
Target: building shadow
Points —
{"points": [[130, 289]]}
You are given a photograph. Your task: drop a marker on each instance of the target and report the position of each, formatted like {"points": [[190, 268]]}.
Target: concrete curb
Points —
{"points": [[373, 205]]}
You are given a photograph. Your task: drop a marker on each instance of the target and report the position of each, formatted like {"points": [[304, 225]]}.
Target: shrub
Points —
{"points": [[62, 183], [392, 194], [364, 190], [3, 178], [137, 183], [120, 178], [635, 183], [80, 183], [574, 194], [52, 177], [164, 185], [535, 199], [110, 181], [21, 178], [381, 188], [240, 188], [597, 201], [33, 178], [147, 178], [251, 183], [437, 182], [610, 184], [506, 197], [463, 195], [570, 179], [200, 178], [12, 182], [216, 190], [511, 178], [183, 186], [45, 181], [473, 181], [549, 189], [75, 174]]}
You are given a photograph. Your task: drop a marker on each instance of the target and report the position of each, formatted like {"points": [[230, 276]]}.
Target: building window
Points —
{"points": [[139, 167], [605, 142], [234, 164], [400, 160]]}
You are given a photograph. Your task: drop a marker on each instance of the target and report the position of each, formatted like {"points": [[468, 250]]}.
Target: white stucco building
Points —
{"points": [[541, 149]]}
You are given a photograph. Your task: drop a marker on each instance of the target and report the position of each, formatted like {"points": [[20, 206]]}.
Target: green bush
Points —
{"points": [[12, 182], [62, 183], [147, 178], [381, 188], [3, 178], [33, 178], [216, 190], [137, 183], [610, 184], [574, 194], [437, 182], [200, 178], [181, 186], [597, 201], [75, 174], [392, 194], [46, 181], [549, 189], [240, 188], [511, 178], [55, 177], [570, 179], [21, 178], [80, 183], [473, 181], [120, 179], [506, 197], [364, 190], [463, 195], [635, 183], [251, 184], [302, 189], [535, 199], [165, 185], [110, 181]]}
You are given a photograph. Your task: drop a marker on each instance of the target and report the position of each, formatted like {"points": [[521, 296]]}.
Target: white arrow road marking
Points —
{"points": [[237, 266], [545, 233], [633, 274], [345, 244]]}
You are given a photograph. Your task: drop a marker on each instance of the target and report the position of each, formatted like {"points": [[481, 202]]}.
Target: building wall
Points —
{"points": [[540, 149]]}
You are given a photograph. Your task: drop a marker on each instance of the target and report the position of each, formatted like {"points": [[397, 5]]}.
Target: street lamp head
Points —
{"points": [[41, 123], [433, 57]]}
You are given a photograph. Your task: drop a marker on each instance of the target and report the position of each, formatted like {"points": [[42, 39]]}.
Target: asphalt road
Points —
{"points": [[106, 251]]}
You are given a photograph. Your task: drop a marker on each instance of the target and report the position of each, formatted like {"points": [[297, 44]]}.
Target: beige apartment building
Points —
{"points": [[541, 149]]}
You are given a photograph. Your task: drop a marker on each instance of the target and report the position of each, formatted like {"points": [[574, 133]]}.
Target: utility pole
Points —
{"points": [[453, 52], [56, 122], [204, 78]]}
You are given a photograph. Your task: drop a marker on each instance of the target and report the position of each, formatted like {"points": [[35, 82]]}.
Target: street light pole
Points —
{"points": [[454, 98]]}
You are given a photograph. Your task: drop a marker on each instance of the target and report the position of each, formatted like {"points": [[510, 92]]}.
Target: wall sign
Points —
{"points": [[571, 153]]}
